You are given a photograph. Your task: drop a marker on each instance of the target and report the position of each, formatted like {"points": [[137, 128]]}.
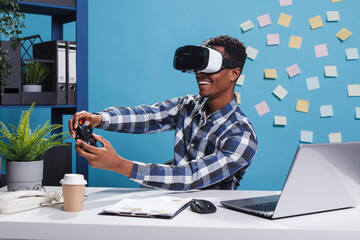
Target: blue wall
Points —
{"points": [[131, 47]]}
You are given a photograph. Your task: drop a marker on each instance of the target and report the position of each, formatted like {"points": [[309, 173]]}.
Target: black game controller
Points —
{"points": [[85, 133]]}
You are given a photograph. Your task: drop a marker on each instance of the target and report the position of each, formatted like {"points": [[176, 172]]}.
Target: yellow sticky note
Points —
{"points": [[295, 42], [337, 0], [270, 73], [343, 34], [302, 106], [284, 20], [238, 98], [315, 22]]}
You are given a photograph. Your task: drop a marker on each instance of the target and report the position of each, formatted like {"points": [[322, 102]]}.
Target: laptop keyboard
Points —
{"points": [[263, 207]]}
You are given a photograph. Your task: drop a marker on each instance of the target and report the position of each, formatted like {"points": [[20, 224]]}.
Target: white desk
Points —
{"points": [[53, 223]]}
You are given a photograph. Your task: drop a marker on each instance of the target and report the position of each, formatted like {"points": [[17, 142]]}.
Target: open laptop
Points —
{"points": [[322, 177]]}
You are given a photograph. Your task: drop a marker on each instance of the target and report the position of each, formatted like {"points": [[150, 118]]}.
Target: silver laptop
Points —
{"points": [[322, 177]]}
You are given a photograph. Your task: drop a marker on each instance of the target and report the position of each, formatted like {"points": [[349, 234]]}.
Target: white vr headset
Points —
{"points": [[201, 59]]}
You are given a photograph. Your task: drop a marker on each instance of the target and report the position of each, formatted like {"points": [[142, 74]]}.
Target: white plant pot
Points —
{"points": [[24, 175], [32, 88]]}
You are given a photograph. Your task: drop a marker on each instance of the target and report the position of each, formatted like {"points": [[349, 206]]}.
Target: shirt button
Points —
{"points": [[192, 145]]}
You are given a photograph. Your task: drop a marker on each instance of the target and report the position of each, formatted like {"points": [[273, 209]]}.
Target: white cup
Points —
{"points": [[73, 186]]}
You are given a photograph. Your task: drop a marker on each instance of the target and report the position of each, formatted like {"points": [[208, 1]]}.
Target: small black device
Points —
{"points": [[195, 59], [85, 133], [202, 206]]}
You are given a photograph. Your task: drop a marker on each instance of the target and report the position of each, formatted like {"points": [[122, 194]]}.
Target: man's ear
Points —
{"points": [[235, 74]]}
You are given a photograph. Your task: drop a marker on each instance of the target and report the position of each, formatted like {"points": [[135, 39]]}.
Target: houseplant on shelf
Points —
{"points": [[11, 26], [23, 149], [33, 75]]}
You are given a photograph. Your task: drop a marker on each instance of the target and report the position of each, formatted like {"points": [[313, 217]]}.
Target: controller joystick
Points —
{"points": [[85, 133]]}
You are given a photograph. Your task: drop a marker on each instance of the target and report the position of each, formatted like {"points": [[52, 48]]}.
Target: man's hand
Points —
{"points": [[104, 157], [90, 119]]}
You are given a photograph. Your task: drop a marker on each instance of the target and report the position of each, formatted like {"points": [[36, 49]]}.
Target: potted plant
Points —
{"points": [[23, 148], [11, 26], [33, 75]]}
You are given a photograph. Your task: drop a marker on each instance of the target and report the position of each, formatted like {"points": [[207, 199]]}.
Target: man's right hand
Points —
{"points": [[90, 119]]}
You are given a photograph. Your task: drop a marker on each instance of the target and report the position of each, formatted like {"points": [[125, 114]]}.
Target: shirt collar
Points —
{"points": [[221, 113]]}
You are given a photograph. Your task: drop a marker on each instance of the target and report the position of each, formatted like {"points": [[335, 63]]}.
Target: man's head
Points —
{"points": [[234, 49], [219, 87]]}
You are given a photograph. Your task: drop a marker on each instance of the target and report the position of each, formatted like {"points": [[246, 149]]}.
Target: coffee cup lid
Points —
{"points": [[73, 179]]}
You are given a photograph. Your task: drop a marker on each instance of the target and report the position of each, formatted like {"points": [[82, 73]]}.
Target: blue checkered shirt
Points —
{"points": [[209, 152]]}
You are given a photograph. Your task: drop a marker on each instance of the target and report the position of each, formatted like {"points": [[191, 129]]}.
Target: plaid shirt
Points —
{"points": [[212, 152]]}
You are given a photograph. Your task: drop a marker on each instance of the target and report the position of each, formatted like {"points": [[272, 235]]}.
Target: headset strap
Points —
{"points": [[230, 63]]}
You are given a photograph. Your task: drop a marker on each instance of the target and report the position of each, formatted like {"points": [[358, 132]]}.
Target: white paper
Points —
{"points": [[240, 80], [330, 71], [332, 16], [326, 111], [280, 120], [335, 137]]}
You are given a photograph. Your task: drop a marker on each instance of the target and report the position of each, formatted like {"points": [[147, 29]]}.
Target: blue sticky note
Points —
{"points": [[326, 111], [312, 83], [351, 53], [306, 136]]}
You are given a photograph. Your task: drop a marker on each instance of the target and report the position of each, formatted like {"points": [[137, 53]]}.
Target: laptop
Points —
{"points": [[322, 177]]}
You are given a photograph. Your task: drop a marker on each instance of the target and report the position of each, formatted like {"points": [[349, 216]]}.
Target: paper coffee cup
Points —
{"points": [[73, 187]]}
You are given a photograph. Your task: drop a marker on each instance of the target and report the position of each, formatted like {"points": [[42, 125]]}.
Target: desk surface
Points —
{"points": [[54, 223]]}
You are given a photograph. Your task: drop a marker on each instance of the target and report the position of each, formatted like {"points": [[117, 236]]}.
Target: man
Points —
{"points": [[214, 141]]}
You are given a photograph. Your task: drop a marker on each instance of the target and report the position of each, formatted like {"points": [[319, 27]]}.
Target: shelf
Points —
{"points": [[63, 9]]}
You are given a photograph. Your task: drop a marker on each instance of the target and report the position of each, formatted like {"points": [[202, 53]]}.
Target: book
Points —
{"points": [[158, 207]]}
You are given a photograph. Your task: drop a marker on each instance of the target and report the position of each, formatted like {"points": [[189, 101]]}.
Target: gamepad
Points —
{"points": [[85, 133]]}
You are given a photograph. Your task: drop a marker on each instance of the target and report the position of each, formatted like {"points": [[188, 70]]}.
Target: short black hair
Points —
{"points": [[234, 49]]}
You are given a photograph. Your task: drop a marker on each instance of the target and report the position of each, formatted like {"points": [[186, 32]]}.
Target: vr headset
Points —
{"points": [[201, 59]]}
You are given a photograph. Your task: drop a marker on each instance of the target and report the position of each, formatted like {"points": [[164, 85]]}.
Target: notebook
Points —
{"points": [[322, 177]]}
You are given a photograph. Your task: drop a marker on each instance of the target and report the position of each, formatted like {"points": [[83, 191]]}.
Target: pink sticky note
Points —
{"points": [[321, 50], [273, 39], [262, 108], [293, 70], [264, 20], [285, 3]]}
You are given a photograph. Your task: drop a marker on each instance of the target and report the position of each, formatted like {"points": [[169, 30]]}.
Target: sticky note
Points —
{"points": [[330, 71], [316, 22], [306, 136], [354, 90], [312, 83], [352, 53], [332, 16], [357, 112], [284, 20], [343, 34], [280, 92], [251, 52], [302, 105], [262, 108], [280, 120], [270, 73], [336, 1], [285, 3], [238, 98], [321, 50], [246, 26], [326, 111], [335, 137], [293, 70], [272, 39], [240, 80], [295, 42], [264, 20]]}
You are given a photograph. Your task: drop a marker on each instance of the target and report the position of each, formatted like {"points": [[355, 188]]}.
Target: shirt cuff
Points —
{"points": [[105, 120], [138, 172]]}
